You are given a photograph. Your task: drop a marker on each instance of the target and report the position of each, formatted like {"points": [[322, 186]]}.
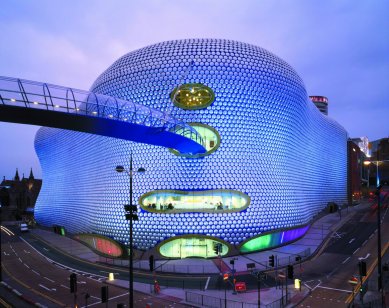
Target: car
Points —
{"points": [[23, 227]]}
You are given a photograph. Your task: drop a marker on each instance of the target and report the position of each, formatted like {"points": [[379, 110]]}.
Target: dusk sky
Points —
{"points": [[339, 48]]}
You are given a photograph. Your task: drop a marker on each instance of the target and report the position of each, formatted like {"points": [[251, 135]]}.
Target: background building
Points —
{"points": [[273, 161], [18, 196], [321, 102], [380, 151]]}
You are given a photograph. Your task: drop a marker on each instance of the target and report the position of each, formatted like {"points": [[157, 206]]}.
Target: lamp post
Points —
{"points": [[130, 216], [378, 192]]}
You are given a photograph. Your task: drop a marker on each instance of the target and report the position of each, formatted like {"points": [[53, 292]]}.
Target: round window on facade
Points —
{"points": [[210, 137], [192, 96]]}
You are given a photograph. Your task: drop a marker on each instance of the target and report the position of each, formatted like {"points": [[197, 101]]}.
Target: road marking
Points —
{"points": [[317, 285], [26, 265], [36, 273], [368, 255], [206, 285], [26, 251], [46, 288], [356, 250], [49, 279], [352, 240], [99, 302], [64, 266], [341, 290], [345, 260], [65, 287], [20, 260], [6, 254], [363, 244], [45, 249], [371, 236]]}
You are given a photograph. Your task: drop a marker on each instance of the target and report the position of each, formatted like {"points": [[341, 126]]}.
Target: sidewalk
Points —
{"points": [[320, 232]]}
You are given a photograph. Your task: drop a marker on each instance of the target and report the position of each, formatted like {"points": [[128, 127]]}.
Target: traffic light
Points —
{"points": [[362, 268], [104, 294], [362, 290], [73, 283], [271, 261], [225, 277], [290, 271], [151, 263]]}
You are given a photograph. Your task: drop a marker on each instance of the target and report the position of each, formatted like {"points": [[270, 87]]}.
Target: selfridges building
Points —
{"points": [[272, 160]]}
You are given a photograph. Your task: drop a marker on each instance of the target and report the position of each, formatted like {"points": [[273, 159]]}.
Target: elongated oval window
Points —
{"points": [[192, 246], [192, 96], [101, 244], [210, 137], [272, 240], [178, 201]]}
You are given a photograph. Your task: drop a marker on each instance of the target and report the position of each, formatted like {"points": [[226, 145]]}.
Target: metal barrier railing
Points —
{"points": [[37, 95]]}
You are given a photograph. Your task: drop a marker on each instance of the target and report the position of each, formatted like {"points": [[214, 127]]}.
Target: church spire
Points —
{"points": [[31, 177], [17, 178]]}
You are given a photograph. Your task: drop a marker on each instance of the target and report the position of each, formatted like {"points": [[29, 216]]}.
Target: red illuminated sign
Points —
{"points": [[240, 286]]}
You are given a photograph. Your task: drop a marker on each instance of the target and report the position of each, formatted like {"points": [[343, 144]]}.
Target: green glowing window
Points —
{"points": [[210, 137], [192, 246], [178, 201], [192, 96]]}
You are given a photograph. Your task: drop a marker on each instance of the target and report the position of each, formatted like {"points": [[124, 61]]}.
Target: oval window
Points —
{"points": [[178, 201], [192, 246], [101, 244], [209, 135], [272, 240], [192, 96]]}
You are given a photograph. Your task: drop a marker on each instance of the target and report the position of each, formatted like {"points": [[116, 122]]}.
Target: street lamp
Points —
{"points": [[378, 192], [377, 163], [130, 216]]}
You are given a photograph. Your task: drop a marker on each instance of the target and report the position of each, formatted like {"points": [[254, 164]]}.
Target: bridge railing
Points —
{"points": [[31, 94]]}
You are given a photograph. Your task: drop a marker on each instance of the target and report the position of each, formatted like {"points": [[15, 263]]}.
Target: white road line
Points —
{"points": [[368, 255], [206, 285], [26, 265], [48, 279], [20, 260], [363, 244], [17, 292], [352, 240], [345, 260], [371, 236], [65, 287], [48, 259], [308, 286], [99, 302], [328, 288], [36, 273], [45, 249], [46, 288], [355, 250]]}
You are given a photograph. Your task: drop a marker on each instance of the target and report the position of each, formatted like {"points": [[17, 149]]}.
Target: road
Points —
{"points": [[41, 280], [327, 276]]}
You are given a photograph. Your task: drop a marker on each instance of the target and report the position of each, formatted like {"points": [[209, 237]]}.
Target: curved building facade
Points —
{"points": [[273, 161]]}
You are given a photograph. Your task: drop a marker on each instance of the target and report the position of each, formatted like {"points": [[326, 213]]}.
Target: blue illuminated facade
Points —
{"points": [[282, 159]]}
